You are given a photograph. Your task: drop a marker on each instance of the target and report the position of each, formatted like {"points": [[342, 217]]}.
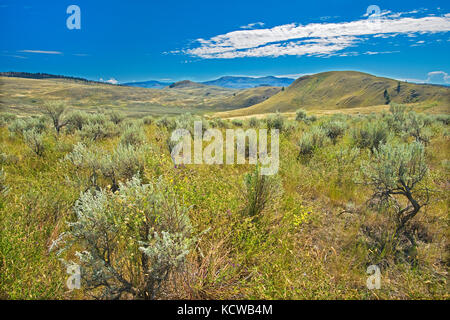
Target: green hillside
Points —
{"points": [[347, 89], [248, 97]]}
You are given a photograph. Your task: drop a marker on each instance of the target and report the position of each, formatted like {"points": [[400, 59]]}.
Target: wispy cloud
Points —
{"points": [[14, 56], [40, 51], [437, 77], [253, 25], [434, 76], [315, 39], [379, 52]]}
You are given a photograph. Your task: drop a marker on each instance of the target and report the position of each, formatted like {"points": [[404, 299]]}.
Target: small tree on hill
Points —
{"points": [[387, 98]]}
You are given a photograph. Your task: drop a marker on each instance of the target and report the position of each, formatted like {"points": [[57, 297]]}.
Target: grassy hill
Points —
{"points": [[347, 89], [38, 75], [22, 96], [248, 97]]}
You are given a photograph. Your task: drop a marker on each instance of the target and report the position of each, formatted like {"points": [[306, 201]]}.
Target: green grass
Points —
{"points": [[307, 245]]}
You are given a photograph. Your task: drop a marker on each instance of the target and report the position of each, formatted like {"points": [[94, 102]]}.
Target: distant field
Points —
{"points": [[428, 108], [22, 96], [321, 94]]}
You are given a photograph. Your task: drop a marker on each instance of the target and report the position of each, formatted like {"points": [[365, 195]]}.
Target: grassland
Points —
{"points": [[313, 240], [319, 229], [24, 96]]}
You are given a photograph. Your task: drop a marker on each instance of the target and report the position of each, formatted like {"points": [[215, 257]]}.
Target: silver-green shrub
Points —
{"points": [[115, 116], [395, 173], [6, 118], [120, 165], [396, 121], [254, 122], [97, 130], [186, 121], [237, 122], [133, 135], [18, 126], [35, 141], [148, 120], [129, 242], [76, 120], [311, 118], [219, 123], [444, 118], [300, 115], [276, 121], [166, 122], [312, 140], [334, 129], [416, 126], [371, 135]]}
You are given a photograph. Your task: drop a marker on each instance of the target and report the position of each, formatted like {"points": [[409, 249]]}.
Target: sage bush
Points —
{"points": [[131, 241]]}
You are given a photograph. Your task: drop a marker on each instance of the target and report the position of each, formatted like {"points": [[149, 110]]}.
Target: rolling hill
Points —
{"points": [[24, 95], [335, 90], [247, 97], [187, 84], [346, 89], [39, 75]]}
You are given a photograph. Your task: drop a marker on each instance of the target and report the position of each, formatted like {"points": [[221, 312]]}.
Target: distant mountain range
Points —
{"points": [[249, 82], [225, 82], [152, 84]]}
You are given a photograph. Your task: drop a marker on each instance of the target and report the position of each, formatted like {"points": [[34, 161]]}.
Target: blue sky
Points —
{"points": [[201, 40]]}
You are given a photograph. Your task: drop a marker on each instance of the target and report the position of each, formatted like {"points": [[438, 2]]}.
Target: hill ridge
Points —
{"points": [[346, 89]]}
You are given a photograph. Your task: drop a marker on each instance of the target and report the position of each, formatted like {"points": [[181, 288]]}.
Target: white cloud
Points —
{"points": [[40, 51], [379, 52], [112, 81], [253, 25], [14, 56], [292, 75], [318, 39], [438, 76]]}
